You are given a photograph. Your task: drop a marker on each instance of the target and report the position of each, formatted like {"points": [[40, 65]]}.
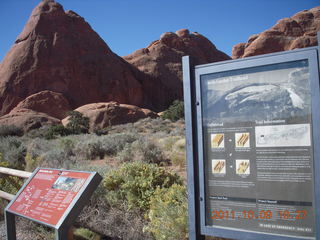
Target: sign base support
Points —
{"points": [[10, 226]]}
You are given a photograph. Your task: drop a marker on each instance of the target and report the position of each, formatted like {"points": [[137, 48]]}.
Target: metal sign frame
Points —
{"points": [[67, 219], [194, 139]]}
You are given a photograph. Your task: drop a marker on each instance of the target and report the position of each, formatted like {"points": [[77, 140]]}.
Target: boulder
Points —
{"points": [[27, 119], [106, 114], [59, 51], [160, 68], [298, 31], [48, 102]]}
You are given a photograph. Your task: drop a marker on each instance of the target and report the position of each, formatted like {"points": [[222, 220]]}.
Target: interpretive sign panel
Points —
{"points": [[53, 197], [258, 154], [48, 195], [257, 140]]}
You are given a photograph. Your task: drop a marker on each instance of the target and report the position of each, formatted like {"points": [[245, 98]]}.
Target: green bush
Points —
{"points": [[175, 111], [55, 131], [168, 213], [134, 183], [77, 123], [10, 130]]}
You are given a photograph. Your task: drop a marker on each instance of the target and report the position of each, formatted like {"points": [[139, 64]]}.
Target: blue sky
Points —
{"points": [[128, 25]]}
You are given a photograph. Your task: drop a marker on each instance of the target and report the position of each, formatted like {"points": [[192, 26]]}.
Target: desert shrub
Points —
{"points": [[32, 162], [10, 130], [168, 142], [142, 150], [148, 151], [116, 222], [67, 145], [92, 146], [89, 149], [134, 183], [13, 151], [39, 150], [127, 154], [114, 143], [168, 214], [175, 111], [77, 123], [38, 132], [178, 155], [101, 131], [57, 130], [57, 158]]}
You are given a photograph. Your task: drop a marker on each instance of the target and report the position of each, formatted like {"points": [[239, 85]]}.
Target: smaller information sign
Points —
{"points": [[49, 194]]}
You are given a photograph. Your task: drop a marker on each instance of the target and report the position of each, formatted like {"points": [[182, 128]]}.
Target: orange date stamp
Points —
{"points": [[261, 214]]}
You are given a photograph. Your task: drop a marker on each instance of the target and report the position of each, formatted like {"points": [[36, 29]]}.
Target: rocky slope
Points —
{"points": [[59, 51], [298, 31], [160, 64]]}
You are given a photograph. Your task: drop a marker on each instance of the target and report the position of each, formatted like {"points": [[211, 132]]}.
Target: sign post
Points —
{"points": [[253, 146], [52, 197]]}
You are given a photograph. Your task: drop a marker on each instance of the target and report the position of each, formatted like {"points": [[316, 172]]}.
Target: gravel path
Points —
{"points": [[2, 231]]}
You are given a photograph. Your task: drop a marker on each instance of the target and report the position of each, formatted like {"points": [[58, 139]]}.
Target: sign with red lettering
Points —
{"points": [[49, 195]]}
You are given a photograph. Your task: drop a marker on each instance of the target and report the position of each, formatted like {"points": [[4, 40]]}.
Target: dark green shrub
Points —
{"points": [[175, 111], [134, 183], [55, 131], [168, 213], [77, 123], [101, 131], [10, 130]]}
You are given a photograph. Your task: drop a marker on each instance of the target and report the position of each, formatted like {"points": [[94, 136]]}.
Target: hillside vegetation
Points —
{"points": [[143, 193]]}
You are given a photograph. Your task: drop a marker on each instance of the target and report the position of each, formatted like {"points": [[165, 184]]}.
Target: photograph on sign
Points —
{"points": [[257, 149], [48, 195]]}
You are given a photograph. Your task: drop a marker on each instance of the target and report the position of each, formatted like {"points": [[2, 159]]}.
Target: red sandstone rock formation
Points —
{"points": [[105, 114], [28, 119], [299, 31], [59, 51], [160, 64], [48, 102]]}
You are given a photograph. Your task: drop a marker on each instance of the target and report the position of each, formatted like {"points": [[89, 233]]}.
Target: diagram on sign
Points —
{"points": [[242, 140], [243, 167], [218, 166], [217, 140]]}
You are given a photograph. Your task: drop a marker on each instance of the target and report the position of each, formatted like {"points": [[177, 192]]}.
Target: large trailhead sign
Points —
{"points": [[253, 139], [53, 197]]}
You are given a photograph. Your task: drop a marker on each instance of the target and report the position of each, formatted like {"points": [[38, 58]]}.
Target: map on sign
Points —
{"points": [[49, 194]]}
